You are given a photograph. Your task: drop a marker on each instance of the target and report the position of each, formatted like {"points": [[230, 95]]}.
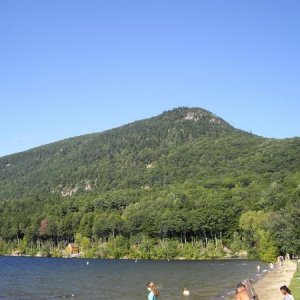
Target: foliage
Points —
{"points": [[294, 286], [169, 186]]}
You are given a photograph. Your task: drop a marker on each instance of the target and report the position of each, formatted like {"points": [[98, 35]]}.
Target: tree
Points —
{"points": [[259, 238]]}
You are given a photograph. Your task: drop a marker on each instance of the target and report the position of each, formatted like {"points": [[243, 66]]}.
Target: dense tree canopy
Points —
{"points": [[168, 186]]}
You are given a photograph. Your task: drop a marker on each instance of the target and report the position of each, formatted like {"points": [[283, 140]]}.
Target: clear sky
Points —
{"points": [[72, 67]]}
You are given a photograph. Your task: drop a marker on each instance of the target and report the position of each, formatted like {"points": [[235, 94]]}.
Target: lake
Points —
{"points": [[58, 278]]}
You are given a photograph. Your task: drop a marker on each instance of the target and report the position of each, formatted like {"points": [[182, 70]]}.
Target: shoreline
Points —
{"points": [[268, 286], [266, 283]]}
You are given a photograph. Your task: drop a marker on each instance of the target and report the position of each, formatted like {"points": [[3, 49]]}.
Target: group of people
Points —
{"points": [[242, 293], [154, 292]]}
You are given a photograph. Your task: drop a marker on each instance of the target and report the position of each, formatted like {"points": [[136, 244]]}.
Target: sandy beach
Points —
{"points": [[267, 288]]}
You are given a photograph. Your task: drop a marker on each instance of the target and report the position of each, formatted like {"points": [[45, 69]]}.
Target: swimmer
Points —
{"points": [[186, 292]]}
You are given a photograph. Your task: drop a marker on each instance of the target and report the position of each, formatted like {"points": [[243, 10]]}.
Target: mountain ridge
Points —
{"points": [[192, 113], [185, 176], [135, 154]]}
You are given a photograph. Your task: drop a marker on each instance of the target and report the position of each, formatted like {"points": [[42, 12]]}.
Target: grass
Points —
{"points": [[295, 283]]}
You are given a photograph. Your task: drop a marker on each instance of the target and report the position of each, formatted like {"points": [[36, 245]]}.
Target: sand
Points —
{"points": [[267, 288]]}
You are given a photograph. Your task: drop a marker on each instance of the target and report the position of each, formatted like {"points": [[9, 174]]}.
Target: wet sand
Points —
{"points": [[267, 288]]}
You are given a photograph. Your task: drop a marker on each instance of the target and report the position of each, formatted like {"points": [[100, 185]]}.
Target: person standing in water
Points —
{"points": [[286, 292], [153, 291], [186, 292]]}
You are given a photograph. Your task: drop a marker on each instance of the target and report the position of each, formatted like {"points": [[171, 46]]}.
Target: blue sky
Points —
{"points": [[75, 67]]}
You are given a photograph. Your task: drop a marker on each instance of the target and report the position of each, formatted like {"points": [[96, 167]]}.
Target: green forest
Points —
{"points": [[184, 184]]}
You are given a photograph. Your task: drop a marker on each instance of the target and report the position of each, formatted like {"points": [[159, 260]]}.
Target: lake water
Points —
{"points": [[55, 278]]}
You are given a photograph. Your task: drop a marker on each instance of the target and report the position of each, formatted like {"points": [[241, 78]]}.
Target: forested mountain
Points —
{"points": [[185, 175], [131, 156]]}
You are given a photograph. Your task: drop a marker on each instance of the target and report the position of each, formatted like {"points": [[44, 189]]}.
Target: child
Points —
{"points": [[286, 292], [154, 292]]}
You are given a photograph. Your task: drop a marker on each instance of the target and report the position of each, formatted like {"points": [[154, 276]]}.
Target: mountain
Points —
{"points": [[176, 145], [128, 156], [184, 175]]}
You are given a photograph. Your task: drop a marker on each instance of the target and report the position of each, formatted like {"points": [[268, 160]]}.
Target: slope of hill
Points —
{"points": [[118, 158], [185, 175]]}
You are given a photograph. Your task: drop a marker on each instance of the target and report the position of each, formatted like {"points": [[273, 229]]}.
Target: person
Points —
{"points": [[286, 292], [280, 260], [241, 292], [186, 292], [153, 291]]}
